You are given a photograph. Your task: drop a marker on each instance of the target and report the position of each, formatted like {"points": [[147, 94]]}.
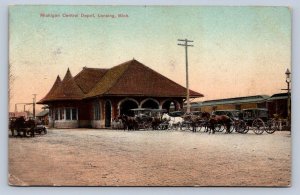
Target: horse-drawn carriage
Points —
{"points": [[258, 120], [24, 128], [145, 118]]}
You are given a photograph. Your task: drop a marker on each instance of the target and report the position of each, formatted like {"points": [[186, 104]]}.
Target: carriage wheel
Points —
{"points": [[27, 133], [272, 126], [237, 126], [243, 128], [258, 126]]}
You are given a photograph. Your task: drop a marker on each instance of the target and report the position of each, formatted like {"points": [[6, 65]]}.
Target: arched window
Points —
{"points": [[96, 110]]}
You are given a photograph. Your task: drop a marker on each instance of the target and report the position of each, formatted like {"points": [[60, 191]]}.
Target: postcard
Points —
{"points": [[149, 96]]}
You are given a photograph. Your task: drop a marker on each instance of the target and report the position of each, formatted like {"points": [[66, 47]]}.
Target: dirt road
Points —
{"points": [[86, 157]]}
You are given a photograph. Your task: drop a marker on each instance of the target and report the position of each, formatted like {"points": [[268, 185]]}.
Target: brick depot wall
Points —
{"points": [[66, 124], [51, 123], [98, 124], [84, 124]]}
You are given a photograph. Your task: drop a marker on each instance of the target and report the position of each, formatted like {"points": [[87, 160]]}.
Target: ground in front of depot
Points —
{"points": [[89, 157]]}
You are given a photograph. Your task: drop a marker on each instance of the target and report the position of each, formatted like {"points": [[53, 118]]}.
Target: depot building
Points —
{"points": [[95, 96]]}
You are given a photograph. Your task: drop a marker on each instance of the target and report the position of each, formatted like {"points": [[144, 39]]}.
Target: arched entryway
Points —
{"points": [[150, 103], [107, 113], [126, 105], [170, 105]]}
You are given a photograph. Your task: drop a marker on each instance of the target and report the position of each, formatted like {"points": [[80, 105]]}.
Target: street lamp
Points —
{"points": [[288, 81]]}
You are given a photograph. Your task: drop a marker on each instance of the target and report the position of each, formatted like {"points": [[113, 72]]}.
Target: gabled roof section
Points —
{"points": [[134, 78], [88, 78], [56, 84]]}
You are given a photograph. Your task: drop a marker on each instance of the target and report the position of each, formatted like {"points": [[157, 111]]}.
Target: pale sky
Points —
{"points": [[238, 51]]}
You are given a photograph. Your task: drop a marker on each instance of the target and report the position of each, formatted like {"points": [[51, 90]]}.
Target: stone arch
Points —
{"points": [[126, 104], [150, 103], [166, 104]]}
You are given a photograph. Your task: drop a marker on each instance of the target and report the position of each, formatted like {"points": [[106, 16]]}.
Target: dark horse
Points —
{"points": [[21, 125], [128, 122], [217, 119]]}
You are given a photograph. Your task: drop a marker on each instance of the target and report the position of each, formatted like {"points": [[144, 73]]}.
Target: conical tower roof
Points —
{"points": [[56, 84], [68, 76], [68, 90]]}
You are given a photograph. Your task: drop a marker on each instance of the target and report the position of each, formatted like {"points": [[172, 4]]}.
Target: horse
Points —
{"points": [[220, 119], [128, 122], [174, 122]]}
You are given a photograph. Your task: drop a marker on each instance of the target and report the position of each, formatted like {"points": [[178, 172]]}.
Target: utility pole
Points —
{"points": [[184, 42], [34, 100], [288, 82]]}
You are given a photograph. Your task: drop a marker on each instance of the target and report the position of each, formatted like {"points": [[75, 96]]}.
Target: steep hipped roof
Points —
{"points": [[131, 78], [134, 78], [68, 90], [56, 84], [88, 77]]}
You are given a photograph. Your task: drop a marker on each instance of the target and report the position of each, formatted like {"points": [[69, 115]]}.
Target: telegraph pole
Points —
{"points": [[184, 42], [34, 100]]}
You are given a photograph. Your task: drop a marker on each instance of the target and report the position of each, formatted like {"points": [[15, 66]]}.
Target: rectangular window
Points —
{"points": [[97, 111], [74, 114], [68, 113], [56, 114], [62, 114]]}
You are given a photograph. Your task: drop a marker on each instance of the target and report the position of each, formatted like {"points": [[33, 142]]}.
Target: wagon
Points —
{"points": [[258, 120], [148, 118]]}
